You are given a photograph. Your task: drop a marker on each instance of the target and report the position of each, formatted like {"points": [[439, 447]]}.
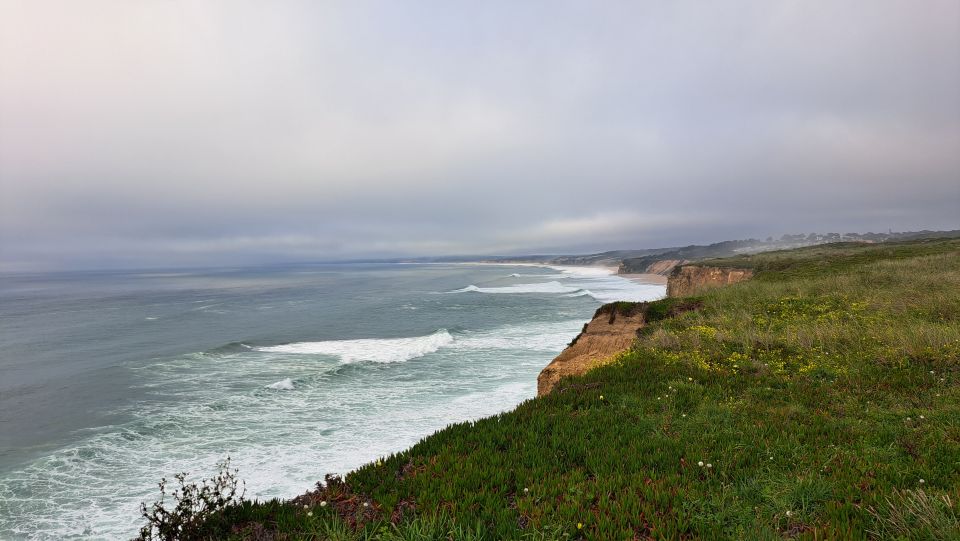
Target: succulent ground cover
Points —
{"points": [[820, 400]]}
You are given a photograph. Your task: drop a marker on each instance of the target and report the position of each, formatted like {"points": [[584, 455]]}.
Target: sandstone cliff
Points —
{"points": [[614, 326], [691, 279], [613, 329]]}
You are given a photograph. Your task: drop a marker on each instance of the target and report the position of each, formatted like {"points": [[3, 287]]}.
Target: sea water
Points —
{"points": [[110, 381]]}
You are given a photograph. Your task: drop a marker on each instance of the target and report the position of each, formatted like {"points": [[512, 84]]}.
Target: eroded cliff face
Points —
{"points": [[660, 266], [611, 331], [692, 279], [614, 326]]}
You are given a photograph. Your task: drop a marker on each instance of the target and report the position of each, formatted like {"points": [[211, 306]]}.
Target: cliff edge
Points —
{"points": [[613, 329], [691, 279], [614, 326]]}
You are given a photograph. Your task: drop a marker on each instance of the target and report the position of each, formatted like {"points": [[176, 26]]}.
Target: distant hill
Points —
{"points": [[663, 261]]}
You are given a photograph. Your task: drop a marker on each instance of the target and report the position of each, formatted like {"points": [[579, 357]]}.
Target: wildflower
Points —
{"points": [[709, 465], [922, 481], [323, 503], [306, 507], [683, 415], [309, 513], [700, 463], [689, 379], [601, 397], [931, 372], [365, 504], [922, 417], [526, 490], [789, 513], [579, 525]]}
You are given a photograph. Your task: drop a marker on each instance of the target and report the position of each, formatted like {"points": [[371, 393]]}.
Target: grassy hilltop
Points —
{"points": [[819, 400]]}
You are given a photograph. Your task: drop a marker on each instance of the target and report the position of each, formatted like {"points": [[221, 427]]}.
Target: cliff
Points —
{"points": [[691, 279], [662, 267], [615, 326]]}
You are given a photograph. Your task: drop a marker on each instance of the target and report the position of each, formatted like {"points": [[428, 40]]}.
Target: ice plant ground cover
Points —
{"points": [[819, 400]]}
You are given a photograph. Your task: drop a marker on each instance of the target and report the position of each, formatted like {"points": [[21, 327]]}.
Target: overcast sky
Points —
{"points": [[198, 132]]}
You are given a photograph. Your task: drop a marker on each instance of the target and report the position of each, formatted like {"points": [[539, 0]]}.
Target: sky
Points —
{"points": [[164, 133]]}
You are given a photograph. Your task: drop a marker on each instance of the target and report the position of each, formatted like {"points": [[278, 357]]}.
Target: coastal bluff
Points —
{"points": [[613, 329], [615, 326], [691, 279]]}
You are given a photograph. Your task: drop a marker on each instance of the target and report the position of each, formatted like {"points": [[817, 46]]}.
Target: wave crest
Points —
{"points": [[379, 350], [282, 385], [541, 287]]}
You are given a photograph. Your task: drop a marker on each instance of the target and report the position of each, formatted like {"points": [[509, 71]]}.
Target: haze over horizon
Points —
{"points": [[176, 133]]}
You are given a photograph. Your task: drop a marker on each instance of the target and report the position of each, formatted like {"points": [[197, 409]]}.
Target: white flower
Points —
{"points": [[365, 504], [683, 415], [689, 379], [922, 417], [909, 419], [306, 507], [309, 513], [931, 372], [789, 513], [700, 463], [323, 503], [709, 465], [922, 481]]}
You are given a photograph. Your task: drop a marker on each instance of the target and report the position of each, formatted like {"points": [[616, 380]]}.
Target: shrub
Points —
{"points": [[195, 506]]}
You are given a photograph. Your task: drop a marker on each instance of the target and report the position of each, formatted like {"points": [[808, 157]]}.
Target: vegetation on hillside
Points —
{"points": [[820, 400]]}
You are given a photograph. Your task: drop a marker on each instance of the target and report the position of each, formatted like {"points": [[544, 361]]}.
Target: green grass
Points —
{"points": [[817, 396]]}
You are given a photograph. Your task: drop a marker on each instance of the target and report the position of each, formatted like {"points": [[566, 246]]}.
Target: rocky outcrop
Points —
{"points": [[692, 279], [612, 330]]}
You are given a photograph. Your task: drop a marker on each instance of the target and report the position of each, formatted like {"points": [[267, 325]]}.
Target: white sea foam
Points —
{"points": [[539, 287], [283, 385], [380, 350], [587, 271], [580, 293], [550, 336]]}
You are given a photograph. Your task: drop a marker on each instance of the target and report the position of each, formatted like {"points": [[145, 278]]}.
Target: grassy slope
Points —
{"points": [[819, 394]]}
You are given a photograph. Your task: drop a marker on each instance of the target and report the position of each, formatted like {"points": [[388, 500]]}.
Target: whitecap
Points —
{"points": [[539, 287], [381, 350], [282, 385], [581, 293]]}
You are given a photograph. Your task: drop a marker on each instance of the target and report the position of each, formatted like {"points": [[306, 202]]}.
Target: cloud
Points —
{"points": [[146, 133]]}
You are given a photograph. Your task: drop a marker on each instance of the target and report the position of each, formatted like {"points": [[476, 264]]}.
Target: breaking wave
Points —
{"points": [[378, 350], [542, 287], [283, 385]]}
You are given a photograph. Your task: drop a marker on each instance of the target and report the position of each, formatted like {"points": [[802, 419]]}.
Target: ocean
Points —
{"points": [[111, 380]]}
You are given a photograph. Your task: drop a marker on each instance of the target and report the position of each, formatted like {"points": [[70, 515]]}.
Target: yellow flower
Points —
{"points": [[579, 525]]}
